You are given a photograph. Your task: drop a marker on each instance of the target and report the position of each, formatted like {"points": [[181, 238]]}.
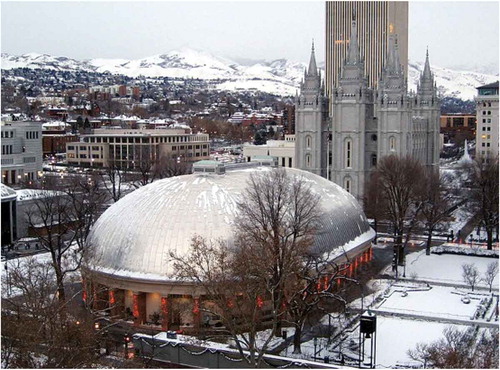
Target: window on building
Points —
{"points": [[95, 148], [347, 184], [487, 145], [489, 104], [484, 120], [392, 143], [83, 147], [374, 160], [483, 144], [489, 113], [308, 141], [308, 160], [348, 153], [374, 137], [489, 120]]}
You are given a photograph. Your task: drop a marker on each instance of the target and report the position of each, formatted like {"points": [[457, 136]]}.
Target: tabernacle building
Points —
{"points": [[129, 269]]}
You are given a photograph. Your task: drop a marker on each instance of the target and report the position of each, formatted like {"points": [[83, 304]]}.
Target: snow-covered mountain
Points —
{"points": [[280, 76], [451, 83]]}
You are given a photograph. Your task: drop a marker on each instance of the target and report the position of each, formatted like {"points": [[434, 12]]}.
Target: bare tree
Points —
{"points": [[61, 217], [235, 293], [113, 179], [470, 274], [485, 196], [436, 203], [306, 288], [278, 216], [373, 202], [34, 334], [458, 350], [490, 273], [399, 180], [269, 264]]}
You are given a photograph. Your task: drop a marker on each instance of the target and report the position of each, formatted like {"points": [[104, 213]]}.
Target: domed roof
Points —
{"points": [[7, 193], [134, 236]]}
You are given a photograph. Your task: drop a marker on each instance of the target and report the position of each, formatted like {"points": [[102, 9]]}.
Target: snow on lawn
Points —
{"points": [[396, 336], [440, 302], [445, 268]]}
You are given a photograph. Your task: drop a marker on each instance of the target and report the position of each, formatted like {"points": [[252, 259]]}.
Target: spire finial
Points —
{"points": [[313, 69], [353, 50]]}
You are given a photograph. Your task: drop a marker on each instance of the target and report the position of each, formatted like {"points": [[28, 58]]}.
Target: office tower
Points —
{"points": [[376, 20], [487, 122]]}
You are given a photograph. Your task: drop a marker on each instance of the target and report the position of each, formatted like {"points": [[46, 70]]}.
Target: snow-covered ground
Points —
{"points": [[395, 336], [444, 268]]}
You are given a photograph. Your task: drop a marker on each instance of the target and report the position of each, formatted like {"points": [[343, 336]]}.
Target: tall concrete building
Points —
{"points": [[487, 122], [376, 21]]}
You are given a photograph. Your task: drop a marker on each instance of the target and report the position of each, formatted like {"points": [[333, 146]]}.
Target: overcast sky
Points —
{"points": [[457, 33]]}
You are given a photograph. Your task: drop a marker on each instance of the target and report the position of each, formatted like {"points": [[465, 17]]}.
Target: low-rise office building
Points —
{"points": [[283, 150], [21, 151], [126, 148]]}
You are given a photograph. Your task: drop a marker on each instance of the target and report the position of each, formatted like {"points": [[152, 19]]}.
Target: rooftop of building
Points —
{"points": [[134, 237]]}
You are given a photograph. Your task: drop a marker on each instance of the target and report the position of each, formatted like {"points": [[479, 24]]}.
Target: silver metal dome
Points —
{"points": [[7, 193], [133, 238]]}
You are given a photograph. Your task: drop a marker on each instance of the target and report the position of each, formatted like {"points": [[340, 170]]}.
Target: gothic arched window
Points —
{"points": [[392, 143], [348, 153], [308, 141], [347, 184], [308, 160]]}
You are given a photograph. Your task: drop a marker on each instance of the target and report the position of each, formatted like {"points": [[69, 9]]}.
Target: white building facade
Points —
{"points": [[21, 151], [487, 122], [365, 124]]}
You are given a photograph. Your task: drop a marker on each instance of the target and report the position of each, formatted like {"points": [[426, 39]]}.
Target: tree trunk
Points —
{"points": [[296, 339], [428, 246], [489, 232]]}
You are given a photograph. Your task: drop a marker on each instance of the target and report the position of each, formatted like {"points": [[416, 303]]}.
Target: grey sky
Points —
{"points": [[457, 33]]}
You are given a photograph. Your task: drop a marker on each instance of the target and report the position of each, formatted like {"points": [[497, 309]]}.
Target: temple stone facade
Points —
{"points": [[362, 124]]}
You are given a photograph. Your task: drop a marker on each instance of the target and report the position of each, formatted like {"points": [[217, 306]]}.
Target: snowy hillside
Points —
{"points": [[458, 84], [281, 76]]}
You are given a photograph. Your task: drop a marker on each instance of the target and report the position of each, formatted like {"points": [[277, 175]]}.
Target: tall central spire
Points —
{"points": [[427, 67], [393, 66], [313, 69], [353, 52]]}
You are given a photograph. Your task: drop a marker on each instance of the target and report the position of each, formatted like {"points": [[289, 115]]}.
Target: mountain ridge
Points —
{"points": [[280, 76]]}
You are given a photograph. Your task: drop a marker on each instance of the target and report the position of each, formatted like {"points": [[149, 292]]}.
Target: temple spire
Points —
{"points": [[353, 51], [393, 65], [313, 69], [427, 67]]}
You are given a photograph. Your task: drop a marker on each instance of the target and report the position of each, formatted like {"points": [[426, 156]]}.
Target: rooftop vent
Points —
{"points": [[209, 167]]}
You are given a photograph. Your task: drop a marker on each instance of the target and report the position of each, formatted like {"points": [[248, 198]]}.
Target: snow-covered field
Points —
{"points": [[395, 336], [438, 302], [445, 268]]}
